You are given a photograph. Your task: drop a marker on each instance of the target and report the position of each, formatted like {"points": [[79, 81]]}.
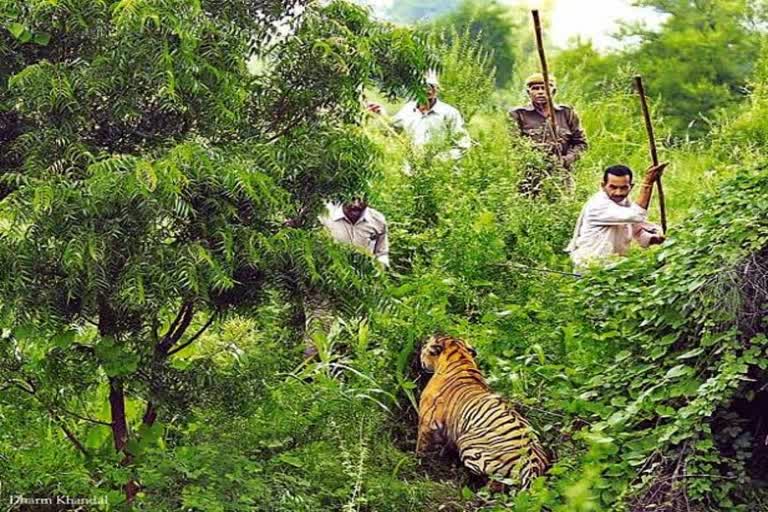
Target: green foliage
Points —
{"points": [[466, 71], [699, 61], [675, 356], [294, 446], [153, 185], [493, 26]]}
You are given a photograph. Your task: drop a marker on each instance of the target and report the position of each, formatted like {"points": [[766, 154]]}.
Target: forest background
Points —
{"points": [[163, 163]]}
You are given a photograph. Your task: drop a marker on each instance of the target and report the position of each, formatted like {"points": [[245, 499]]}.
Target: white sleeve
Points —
{"points": [[463, 141], [608, 213], [381, 249], [399, 120]]}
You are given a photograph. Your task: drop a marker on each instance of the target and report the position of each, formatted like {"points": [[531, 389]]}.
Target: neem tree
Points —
{"points": [[147, 175]]}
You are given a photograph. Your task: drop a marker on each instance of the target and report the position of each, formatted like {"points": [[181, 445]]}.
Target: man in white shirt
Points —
{"points": [[610, 221], [358, 224], [353, 223], [431, 122]]}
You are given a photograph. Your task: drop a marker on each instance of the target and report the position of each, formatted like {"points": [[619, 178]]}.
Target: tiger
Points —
{"points": [[458, 409]]}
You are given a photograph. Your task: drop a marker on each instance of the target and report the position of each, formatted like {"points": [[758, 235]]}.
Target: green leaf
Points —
{"points": [[402, 291], [124, 364], [657, 352], [97, 436], [537, 348], [668, 339], [17, 30], [146, 175], [624, 354], [691, 353], [362, 336], [105, 348], [292, 460], [25, 332], [64, 339], [678, 371], [41, 38], [134, 447], [116, 361]]}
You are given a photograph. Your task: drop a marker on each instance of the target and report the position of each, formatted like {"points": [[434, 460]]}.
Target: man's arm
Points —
{"points": [[646, 189], [578, 139], [608, 213], [647, 234], [398, 121], [515, 120], [459, 131], [381, 249]]}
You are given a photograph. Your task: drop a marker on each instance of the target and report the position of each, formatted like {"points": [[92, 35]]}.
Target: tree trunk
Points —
{"points": [[120, 431], [117, 408], [150, 415]]}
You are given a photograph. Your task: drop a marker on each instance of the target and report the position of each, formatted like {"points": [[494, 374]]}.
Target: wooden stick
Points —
{"points": [[545, 72], [652, 144]]}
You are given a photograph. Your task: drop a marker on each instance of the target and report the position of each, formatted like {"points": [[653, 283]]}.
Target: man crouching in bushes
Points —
{"points": [[610, 221]]}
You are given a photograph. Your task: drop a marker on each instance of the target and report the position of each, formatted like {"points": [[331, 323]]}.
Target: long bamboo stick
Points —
{"points": [[545, 72], [652, 144]]}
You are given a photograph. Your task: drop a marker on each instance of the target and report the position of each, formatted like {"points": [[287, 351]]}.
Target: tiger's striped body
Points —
{"points": [[457, 407]]}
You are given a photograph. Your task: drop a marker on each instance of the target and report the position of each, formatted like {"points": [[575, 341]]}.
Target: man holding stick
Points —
{"points": [[533, 121], [610, 221], [555, 129]]}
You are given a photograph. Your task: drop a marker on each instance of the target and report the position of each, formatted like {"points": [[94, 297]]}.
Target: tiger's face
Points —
{"points": [[444, 346]]}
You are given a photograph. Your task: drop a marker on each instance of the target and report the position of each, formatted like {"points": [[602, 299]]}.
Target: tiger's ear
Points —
{"points": [[435, 350], [472, 351]]}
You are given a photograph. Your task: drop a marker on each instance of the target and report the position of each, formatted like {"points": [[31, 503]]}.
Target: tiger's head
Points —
{"points": [[445, 348]]}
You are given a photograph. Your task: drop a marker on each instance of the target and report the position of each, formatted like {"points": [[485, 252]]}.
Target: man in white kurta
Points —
{"points": [[432, 122], [610, 221], [435, 123]]}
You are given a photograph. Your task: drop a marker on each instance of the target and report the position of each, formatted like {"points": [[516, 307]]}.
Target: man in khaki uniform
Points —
{"points": [[532, 121]]}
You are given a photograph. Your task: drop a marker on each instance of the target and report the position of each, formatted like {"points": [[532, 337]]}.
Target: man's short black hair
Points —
{"points": [[617, 170]]}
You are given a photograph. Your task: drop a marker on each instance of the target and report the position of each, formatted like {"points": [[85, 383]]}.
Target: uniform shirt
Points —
{"points": [[605, 228], [369, 232], [534, 124], [441, 123]]}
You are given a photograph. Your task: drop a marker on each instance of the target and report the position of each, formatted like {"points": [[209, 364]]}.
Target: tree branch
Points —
{"points": [[18, 383], [293, 123], [184, 324], [70, 435], [31, 391], [177, 329], [84, 418], [150, 414], [195, 336], [176, 320]]}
